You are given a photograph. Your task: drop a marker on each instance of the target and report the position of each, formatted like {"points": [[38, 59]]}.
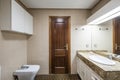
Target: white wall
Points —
{"points": [[13, 53]]}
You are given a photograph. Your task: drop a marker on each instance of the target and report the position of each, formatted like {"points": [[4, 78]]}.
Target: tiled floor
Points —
{"points": [[58, 77]]}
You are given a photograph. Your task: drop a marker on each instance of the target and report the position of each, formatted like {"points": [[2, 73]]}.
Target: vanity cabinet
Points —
{"points": [[15, 18], [81, 69], [85, 72]]}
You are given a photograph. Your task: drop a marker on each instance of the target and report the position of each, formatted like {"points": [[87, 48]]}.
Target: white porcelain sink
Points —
{"points": [[101, 60]]}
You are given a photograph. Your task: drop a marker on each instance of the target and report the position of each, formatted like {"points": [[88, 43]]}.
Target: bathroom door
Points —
{"points": [[117, 35], [59, 45]]}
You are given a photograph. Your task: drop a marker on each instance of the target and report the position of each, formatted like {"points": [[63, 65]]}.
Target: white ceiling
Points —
{"points": [[60, 4]]}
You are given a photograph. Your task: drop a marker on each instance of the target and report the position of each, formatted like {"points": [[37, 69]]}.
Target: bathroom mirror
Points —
{"points": [[114, 25]]}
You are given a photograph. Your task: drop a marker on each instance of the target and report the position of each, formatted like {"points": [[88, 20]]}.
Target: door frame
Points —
{"points": [[114, 33], [69, 40]]}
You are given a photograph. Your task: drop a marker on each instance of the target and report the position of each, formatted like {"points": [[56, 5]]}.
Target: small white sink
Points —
{"points": [[101, 60]]}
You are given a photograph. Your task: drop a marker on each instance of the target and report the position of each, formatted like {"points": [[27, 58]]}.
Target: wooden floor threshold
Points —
{"points": [[58, 77]]}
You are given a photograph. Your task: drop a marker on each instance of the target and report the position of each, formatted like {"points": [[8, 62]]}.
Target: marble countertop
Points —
{"points": [[104, 71]]}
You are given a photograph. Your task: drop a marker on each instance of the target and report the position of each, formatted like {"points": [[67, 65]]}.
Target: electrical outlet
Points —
{"points": [[95, 45], [87, 45]]}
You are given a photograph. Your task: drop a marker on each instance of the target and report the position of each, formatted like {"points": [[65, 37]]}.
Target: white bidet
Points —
{"points": [[26, 72]]}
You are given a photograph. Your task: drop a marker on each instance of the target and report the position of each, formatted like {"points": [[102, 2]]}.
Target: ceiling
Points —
{"points": [[60, 4]]}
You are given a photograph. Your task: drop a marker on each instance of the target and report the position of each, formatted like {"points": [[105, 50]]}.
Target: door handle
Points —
{"points": [[117, 47], [66, 46]]}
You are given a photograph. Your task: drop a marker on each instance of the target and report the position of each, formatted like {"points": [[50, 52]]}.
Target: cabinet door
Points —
{"points": [[81, 69], [88, 74], [78, 67], [17, 22], [85, 72], [28, 23], [91, 75]]}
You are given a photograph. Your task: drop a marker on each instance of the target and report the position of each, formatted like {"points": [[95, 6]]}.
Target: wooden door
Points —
{"points": [[60, 45], [117, 35]]}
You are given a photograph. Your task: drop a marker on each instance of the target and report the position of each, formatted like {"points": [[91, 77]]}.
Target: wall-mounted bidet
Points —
{"points": [[26, 72]]}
